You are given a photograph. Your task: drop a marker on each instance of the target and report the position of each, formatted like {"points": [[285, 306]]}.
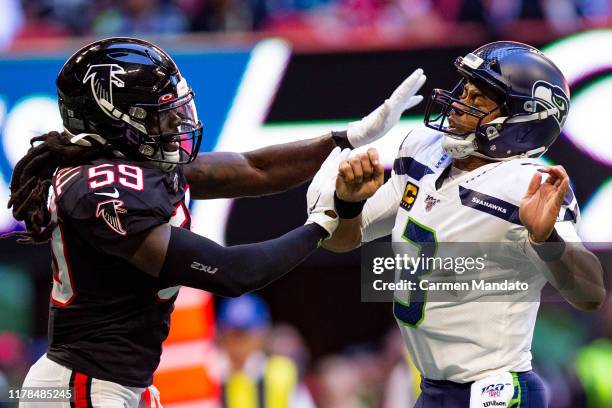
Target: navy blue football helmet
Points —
{"points": [[533, 103], [129, 95]]}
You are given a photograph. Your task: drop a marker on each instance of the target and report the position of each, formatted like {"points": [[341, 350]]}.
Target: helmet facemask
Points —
{"points": [[174, 132], [168, 133], [443, 103], [461, 142]]}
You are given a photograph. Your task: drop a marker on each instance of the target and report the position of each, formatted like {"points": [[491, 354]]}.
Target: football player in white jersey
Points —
{"points": [[471, 175]]}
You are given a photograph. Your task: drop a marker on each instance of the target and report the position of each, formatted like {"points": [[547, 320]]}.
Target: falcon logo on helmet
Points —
{"points": [[127, 96], [102, 78]]}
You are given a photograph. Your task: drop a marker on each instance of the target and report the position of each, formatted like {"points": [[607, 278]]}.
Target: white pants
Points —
{"points": [[47, 374]]}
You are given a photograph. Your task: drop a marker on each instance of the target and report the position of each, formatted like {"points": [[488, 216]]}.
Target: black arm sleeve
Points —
{"points": [[195, 261]]}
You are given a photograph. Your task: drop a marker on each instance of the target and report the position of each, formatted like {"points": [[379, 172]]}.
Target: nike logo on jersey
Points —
{"points": [[114, 194]]}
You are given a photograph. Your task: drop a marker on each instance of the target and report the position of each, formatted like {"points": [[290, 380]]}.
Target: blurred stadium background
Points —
{"points": [[268, 71]]}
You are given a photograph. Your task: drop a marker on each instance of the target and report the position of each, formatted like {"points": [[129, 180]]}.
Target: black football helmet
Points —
{"points": [[532, 95], [128, 94]]}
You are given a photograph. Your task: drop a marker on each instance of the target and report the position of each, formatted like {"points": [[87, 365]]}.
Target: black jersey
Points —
{"points": [[107, 318]]}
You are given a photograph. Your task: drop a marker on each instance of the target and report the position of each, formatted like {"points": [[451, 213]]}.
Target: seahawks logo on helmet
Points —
{"points": [[103, 77], [552, 98]]}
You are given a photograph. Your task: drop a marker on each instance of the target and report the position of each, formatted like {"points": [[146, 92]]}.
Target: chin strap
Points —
{"points": [[81, 139], [117, 114], [534, 116], [169, 157], [459, 148], [530, 153], [88, 140], [166, 167], [541, 115], [462, 148]]}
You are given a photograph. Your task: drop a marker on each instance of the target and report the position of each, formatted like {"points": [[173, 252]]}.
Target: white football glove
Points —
{"points": [[320, 195], [380, 121]]}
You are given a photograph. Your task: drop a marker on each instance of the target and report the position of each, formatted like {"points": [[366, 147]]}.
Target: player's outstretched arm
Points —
{"points": [[178, 256], [259, 172], [280, 167], [573, 270]]}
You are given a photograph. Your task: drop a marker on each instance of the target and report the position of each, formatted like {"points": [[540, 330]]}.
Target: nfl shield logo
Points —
{"points": [[430, 202]]}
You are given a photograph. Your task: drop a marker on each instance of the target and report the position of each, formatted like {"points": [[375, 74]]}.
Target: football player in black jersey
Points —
{"points": [[111, 194]]}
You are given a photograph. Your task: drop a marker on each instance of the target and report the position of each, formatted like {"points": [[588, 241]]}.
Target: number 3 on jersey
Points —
{"points": [[412, 313]]}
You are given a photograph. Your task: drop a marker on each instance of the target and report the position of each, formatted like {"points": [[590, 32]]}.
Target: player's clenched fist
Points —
{"points": [[360, 176]]}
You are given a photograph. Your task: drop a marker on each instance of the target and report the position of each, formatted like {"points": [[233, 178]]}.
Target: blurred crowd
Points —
{"points": [[27, 19], [260, 356]]}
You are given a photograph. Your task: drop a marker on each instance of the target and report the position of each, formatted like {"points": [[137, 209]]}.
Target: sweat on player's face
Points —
{"points": [[362, 166]]}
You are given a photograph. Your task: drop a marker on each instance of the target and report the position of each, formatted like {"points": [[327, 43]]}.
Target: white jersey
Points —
{"points": [[464, 340]]}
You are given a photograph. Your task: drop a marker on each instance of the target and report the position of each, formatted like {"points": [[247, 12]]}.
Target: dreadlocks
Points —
{"points": [[32, 177]]}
